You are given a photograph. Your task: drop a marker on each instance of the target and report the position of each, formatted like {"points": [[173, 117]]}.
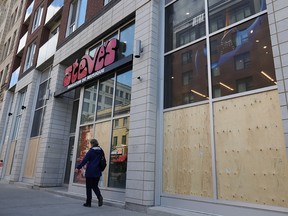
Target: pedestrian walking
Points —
{"points": [[93, 172]]}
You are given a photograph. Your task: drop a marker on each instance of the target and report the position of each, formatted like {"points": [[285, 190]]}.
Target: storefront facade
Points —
{"points": [[185, 97]]}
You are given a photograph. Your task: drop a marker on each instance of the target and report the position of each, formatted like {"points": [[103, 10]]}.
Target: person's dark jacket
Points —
{"points": [[92, 158]]}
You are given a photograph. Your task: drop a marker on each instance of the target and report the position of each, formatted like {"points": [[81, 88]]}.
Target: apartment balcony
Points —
{"points": [[46, 52], [53, 9], [22, 43], [29, 11], [14, 78]]}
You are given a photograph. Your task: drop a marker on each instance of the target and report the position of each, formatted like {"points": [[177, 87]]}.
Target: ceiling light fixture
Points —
{"points": [[198, 93], [226, 86], [268, 77]]}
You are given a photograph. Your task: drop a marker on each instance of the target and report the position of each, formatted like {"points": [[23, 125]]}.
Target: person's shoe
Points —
{"points": [[100, 201], [86, 205]]}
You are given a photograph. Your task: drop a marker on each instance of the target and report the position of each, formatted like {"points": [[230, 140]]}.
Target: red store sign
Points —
{"points": [[88, 68]]}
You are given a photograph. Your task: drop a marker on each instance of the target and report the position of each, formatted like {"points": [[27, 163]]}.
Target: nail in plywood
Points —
{"points": [[187, 165], [251, 159]]}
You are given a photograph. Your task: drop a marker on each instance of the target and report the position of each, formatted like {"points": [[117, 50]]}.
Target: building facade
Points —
{"points": [[187, 99]]}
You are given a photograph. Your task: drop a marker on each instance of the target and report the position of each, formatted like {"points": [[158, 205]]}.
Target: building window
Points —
{"points": [[120, 125], [224, 13], [187, 57], [187, 78], [30, 56], [115, 141], [188, 98], [87, 114], [242, 61], [3, 75], [185, 22], [77, 15], [116, 123], [244, 84], [106, 2], [236, 53], [178, 76], [40, 109], [37, 18], [19, 111], [124, 140], [243, 53]]}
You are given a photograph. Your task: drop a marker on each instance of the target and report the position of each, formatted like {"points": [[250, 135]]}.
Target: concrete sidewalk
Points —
{"points": [[17, 200], [21, 200]]}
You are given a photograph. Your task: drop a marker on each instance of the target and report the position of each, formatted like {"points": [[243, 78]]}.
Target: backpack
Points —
{"points": [[102, 163]]}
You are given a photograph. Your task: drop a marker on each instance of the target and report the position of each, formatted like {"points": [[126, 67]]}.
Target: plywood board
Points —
{"points": [[102, 134], [250, 150], [11, 157], [30, 164], [187, 161]]}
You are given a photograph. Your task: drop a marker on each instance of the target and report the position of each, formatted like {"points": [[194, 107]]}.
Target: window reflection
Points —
{"points": [[85, 135], [123, 93], [224, 13], [126, 41], [105, 98], [243, 60], [186, 79], [119, 153], [185, 22], [88, 107]]}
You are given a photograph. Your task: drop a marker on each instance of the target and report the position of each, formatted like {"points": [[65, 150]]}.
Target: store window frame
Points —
{"points": [[210, 72]]}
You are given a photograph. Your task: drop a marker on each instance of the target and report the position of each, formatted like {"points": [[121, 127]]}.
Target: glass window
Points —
{"points": [[106, 2], [93, 49], [118, 155], [242, 61], [87, 114], [38, 122], [4, 75], [195, 81], [126, 41], [123, 84], [105, 106], [1, 75], [187, 57], [30, 56], [77, 15], [19, 111], [187, 77], [185, 22], [41, 102], [37, 18], [224, 13], [74, 116], [244, 66], [85, 135]]}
